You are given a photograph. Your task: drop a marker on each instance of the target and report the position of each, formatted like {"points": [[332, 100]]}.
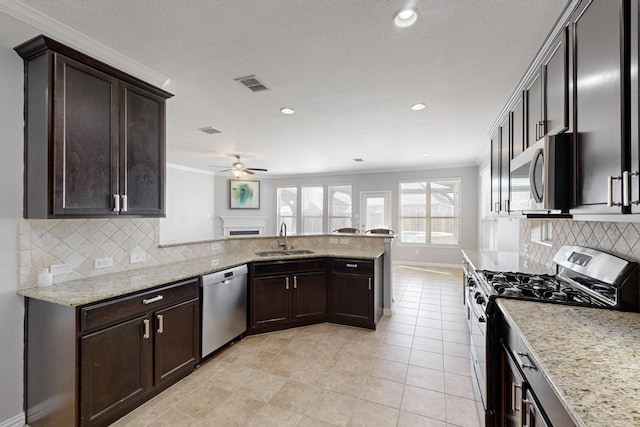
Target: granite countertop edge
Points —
{"points": [[590, 367], [89, 290]]}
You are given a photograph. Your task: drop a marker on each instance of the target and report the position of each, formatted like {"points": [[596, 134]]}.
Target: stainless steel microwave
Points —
{"points": [[541, 176]]}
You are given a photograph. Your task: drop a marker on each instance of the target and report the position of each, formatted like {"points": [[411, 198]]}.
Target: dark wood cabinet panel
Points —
{"points": [[108, 391], [533, 108], [85, 132], [505, 162], [176, 341], [270, 301], [94, 139], [511, 391], [518, 144], [143, 151], [555, 74], [495, 173], [310, 296], [597, 88], [355, 292]]}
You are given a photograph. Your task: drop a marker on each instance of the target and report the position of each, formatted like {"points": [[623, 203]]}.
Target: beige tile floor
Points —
{"points": [[412, 371]]}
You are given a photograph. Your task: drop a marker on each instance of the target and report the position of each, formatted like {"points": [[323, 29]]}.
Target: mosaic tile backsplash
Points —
{"points": [[78, 242], [618, 238]]}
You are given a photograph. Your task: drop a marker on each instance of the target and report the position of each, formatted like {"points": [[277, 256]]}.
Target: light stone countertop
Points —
{"points": [[496, 261], [589, 356], [89, 290]]}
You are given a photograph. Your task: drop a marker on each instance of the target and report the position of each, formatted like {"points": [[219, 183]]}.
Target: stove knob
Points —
{"points": [[480, 299], [477, 294]]}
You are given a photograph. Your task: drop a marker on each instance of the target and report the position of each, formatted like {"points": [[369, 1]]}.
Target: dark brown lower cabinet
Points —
{"points": [[355, 292], [511, 394], [285, 294], [90, 365]]}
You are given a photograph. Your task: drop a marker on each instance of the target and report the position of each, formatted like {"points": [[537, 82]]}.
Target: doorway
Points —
{"points": [[375, 210]]}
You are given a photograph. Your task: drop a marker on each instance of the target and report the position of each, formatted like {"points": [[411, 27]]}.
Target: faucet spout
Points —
{"points": [[283, 233]]}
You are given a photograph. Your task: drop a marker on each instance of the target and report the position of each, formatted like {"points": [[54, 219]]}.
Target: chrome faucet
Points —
{"points": [[283, 233]]}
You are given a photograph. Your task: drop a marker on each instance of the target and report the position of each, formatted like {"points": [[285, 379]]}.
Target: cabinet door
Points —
{"points": [[511, 392], [85, 140], [351, 299], [505, 157], [270, 301], [309, 297], [556, 88], [495, 173], [176, 341], [142, 152], [533, 109], [597, 89], [517, 128], [115, 370]]}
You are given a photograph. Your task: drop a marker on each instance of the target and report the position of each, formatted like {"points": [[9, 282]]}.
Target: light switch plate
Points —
{"points": [[333, 240], [215, 262], [344, 241], [216, 247]]}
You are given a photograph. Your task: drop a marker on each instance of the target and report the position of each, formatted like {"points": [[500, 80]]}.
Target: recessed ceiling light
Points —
{"points": [[418, 107], [209, 130], [426, 155], [286, 110], [405, 17]]}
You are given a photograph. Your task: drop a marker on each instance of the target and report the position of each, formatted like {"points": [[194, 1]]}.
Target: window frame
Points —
{"points": [[304, 216], [293, 227], [331, 217]]}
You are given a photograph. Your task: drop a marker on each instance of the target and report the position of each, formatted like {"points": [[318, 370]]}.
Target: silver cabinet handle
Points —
{"points": [[125, 205], [526, 365], [146, 334], [160, 318], [116, 203], [369, 283], [152, 300], [295, 282], [286, 283], [352, 265], [514, 405], [610, 180]]}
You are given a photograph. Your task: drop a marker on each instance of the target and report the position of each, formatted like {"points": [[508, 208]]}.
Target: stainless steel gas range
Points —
{"points": [[584, 277]]}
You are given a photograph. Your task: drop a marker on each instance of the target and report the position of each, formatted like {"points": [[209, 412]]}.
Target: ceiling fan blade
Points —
{"points": [[216, 166], [247, 171], [256, 169], [225, 170]]}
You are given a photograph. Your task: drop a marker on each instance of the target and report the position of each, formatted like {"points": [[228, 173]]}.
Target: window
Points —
{"points": [[340, 202], [430, 212], [288, 208], [312, 210]]}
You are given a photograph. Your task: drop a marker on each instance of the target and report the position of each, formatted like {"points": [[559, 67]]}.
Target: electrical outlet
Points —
{"points": [[216, 247], [333, 240], [57, 269], [344, 241], [215, 262], [102, 262], [137, 257]]}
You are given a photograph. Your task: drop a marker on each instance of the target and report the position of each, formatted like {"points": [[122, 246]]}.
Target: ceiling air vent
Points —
{"points": [[358, 160], [209, 130], [252, 83]]}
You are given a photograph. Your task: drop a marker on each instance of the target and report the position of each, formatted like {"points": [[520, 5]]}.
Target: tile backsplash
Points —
{"points": [[78, 242], [618, 238]]}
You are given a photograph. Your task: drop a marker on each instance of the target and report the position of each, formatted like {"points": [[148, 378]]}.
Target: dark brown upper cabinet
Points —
{"points": [[94, 137]]}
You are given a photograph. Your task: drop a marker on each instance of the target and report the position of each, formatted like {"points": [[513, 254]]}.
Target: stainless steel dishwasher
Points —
{"points": [[224, 308]]}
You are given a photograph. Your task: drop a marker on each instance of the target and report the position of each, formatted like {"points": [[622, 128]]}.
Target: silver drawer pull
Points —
{"points": [[352, 265], [286, 283], [152, 300], [160, 318], [124, 203], [146, 329], [116, 203], [369, 283]]}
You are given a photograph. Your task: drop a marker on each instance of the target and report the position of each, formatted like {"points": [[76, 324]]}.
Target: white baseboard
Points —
{"points": [[17, 421], [426, 264], [387, 311]]}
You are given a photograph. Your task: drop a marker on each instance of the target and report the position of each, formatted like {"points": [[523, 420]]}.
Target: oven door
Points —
{"points": [[478, 330]]}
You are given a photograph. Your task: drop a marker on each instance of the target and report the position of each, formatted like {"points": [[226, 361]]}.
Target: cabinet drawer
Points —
{"points": [[109, 312], [291, 266], [353, 266]]}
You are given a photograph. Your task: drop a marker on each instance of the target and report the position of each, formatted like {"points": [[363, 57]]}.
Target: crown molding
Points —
{"points": [[75, 39]]}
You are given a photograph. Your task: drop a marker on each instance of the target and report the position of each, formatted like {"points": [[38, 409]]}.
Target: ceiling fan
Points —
{"points": [[238, 168]]}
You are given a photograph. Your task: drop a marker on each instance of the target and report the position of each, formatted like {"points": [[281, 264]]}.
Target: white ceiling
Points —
{"points": [[349, 73]]}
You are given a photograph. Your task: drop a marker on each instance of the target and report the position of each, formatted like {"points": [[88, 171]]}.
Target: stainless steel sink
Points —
{"points": [[284, 253]]}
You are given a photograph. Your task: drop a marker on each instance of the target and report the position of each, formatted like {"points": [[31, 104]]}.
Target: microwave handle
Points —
{"points": [[532, 173]]}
